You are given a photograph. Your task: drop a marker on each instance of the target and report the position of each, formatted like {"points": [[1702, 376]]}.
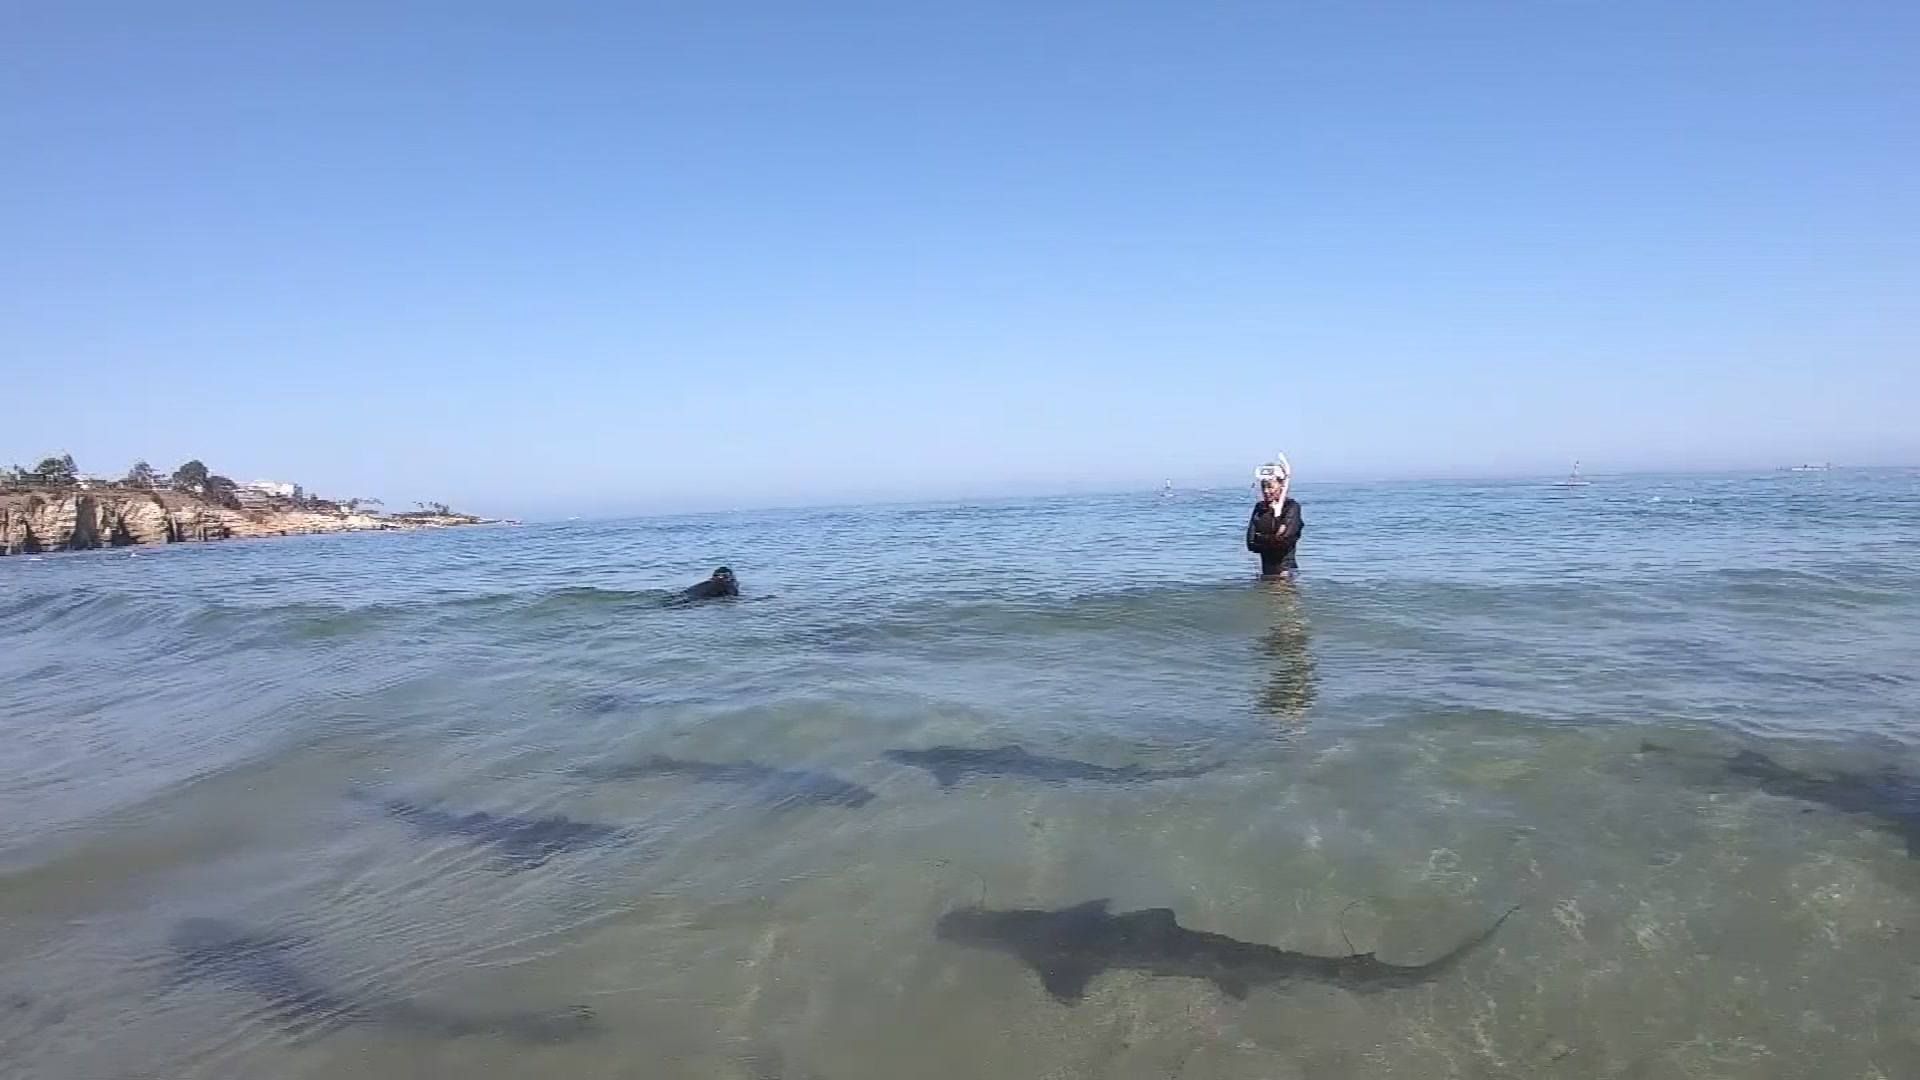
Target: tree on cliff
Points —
{"points": [[58, 472], [223, 491], [141, 476], [191, 477]]}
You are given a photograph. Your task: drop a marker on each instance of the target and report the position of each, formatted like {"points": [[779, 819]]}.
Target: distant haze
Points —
{"points": [[640, 257]]}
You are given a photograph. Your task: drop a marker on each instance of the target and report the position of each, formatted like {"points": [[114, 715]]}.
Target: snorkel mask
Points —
{"points": [[1277, 471]]}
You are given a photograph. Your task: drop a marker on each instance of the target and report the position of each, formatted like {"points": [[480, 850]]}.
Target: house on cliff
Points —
{"points": [[262, 494]]}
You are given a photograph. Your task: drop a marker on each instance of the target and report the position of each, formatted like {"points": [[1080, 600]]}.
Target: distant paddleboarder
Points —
{"points": [[1274, 529]]}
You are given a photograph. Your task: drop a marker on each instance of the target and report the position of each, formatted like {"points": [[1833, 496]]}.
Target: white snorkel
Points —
{"points": [[1279, 470]]}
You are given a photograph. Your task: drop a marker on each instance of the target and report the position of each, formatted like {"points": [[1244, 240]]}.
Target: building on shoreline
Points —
{"points": [[262, 494]]}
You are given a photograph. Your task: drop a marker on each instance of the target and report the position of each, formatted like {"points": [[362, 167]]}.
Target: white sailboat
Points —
{"points": [[1573, 478]]}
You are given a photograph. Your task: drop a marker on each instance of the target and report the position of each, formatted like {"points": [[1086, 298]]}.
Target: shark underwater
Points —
{"points": [[525, 843], [780, 788], [952, 764], [219, 951], [1068, 948], [1888, 796]]}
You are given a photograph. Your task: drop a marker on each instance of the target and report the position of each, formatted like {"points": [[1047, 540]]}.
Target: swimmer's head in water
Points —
{"points": [[723, 574]]}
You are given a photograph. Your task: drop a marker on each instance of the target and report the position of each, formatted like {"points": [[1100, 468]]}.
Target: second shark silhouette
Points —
{"points": [[952, 764], [1069, 947], [1891, 798], [522, 843], [779, 788], [213, 949]]}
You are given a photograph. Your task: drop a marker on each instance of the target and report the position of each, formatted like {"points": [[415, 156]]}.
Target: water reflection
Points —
{"points": [[1291, 687]]}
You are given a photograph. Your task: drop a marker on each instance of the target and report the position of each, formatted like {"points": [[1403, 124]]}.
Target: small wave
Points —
{"points": [[246, 626], [127, 617], [958, 618], [590, 596], [1804, 587], [82, 610], [292, 625]]}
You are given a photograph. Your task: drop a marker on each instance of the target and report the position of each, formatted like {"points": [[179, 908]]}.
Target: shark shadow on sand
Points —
{"points": [[1069, 947], [218, 951], [952, 764], [778, 788], [524, 843], [955, 763], [605, 703], [1889, 796]]}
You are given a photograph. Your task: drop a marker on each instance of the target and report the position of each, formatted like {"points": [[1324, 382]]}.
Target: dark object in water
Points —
{"points": [[951, 764], [777, 787], [526, 842], [36, 1011], [1889, 796], [602, 702], [722, 583], [1069, 947], [214, 949]]}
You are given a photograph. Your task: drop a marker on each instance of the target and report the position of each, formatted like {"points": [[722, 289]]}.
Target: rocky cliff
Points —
{"points": [[75, 521]]}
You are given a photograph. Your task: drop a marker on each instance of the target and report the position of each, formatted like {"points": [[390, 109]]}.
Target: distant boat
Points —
{"points": [[1167, 492], [1810, 468], [1573, 478]]}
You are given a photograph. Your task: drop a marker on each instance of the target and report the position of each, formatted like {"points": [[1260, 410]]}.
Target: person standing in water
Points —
{"points": [[1274, 529]]}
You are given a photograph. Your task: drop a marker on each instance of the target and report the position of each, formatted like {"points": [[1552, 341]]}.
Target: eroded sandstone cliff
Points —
{"points": [[76, 521]]}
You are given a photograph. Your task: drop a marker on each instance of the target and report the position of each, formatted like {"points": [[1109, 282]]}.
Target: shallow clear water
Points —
{"points": [[1449, 714]]}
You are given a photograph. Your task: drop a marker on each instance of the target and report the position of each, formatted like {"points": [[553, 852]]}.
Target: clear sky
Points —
{"points": [[540, 257]]}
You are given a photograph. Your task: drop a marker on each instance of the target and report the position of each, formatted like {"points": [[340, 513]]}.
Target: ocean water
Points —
{"points": [[1477, 696]]}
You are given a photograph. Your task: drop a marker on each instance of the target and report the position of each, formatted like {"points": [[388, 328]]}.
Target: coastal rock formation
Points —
{"points": [[77, 521]]}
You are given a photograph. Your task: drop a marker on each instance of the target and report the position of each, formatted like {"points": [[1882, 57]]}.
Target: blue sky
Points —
{"points": [[599, 256]]}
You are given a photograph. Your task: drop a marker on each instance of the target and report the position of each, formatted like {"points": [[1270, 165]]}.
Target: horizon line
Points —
{"points": [[884, 502]]}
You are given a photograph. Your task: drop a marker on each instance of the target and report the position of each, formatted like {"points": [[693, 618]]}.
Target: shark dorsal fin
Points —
{"points": [[1067, 981], [1157, 917]]}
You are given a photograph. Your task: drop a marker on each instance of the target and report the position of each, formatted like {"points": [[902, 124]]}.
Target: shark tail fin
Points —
{"points": [[1440, 965], [566, 1024], [1233, 986]]}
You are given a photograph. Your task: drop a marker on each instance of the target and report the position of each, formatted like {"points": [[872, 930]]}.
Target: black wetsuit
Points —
{"points": [[722, 583], [1273, 536]]}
